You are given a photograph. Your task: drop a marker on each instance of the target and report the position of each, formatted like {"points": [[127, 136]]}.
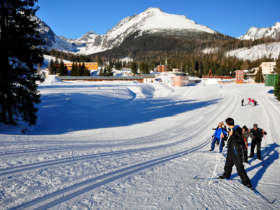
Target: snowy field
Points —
{"points": [[124, 145]]}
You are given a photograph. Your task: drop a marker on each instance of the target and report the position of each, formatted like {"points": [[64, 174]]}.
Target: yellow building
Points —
{"points": [[88, 65]]}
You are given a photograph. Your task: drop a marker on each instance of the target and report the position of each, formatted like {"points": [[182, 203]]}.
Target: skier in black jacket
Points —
{"points": [[256, 134], [234, 154]]}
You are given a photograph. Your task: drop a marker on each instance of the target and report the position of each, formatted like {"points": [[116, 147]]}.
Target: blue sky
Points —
{"points": [[73, 18]]}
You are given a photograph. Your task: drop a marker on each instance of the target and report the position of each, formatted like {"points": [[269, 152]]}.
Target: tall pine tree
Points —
{"points": [[277, 88], [52, 67], [277, 67], [259, 76], [20, 52]]}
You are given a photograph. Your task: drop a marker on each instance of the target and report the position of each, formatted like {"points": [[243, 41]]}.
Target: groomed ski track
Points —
{"points": [[143, 145]]}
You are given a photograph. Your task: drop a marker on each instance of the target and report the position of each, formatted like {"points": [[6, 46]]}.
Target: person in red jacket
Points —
{"points": [[249, 101]]}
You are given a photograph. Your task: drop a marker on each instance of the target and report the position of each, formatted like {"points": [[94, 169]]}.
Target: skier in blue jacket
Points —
{"points": [[219, 136]]}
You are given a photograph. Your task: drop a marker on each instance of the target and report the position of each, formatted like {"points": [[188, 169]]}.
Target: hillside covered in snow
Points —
{"points": [[150, 21], [269, 50], [260, 33], [126, 145]]}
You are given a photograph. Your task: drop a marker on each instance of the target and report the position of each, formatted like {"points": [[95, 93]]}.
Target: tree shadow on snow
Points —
{"points": [[61, 113], [271, 91], [269, 155]]}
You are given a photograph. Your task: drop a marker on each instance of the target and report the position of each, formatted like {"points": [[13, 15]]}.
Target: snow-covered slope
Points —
{"points": [[125, 145], [259, 33], [150, 21], [256, 52], [52, 41]]}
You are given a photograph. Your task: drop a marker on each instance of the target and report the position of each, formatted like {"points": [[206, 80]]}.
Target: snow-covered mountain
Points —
{"points": [[151, 20], [259, 33], [52, 41], [257, 52]]}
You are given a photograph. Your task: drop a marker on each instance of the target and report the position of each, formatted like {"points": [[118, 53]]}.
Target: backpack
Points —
{"points": [[237, 134]]}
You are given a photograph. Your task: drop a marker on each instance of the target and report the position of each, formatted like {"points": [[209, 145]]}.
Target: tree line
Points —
{"points": [[277, 84], [58, 67]]}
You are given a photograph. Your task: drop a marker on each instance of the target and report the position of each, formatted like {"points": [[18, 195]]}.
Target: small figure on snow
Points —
{"points": [[246, 134], [242, 102], [249, 101], [253, 101], [235, 153], [219, 136], [256, 135]]}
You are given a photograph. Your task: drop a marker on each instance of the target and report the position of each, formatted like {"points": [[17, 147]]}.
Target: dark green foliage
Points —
{"points": [[118, 65], [259, 76], [52, 68], [277, 88], [79, 69], [144, 68], [134, 67], [62, 70], [83, 70], [69, 56], [277, 67], [20, 52]]}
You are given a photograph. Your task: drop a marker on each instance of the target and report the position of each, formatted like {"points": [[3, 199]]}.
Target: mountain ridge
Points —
{"points": [[152, 20], [254, 33]]}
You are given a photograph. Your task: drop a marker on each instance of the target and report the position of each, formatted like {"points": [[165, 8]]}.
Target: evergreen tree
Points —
{"points": [[56, 65], [62, 69], [277, 67], [134, 67], [259, 76], [52, 67], [79, 70], [108, 71], [74, 71], [118, 65], [84, 70], [277, 88], [20, 52]]}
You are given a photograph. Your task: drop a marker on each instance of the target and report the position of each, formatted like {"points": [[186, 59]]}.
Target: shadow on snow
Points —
{"points": [[61, 113], [269, 155]]}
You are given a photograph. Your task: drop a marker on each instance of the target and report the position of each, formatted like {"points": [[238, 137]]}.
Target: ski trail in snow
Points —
{"points": [[67, 193]]}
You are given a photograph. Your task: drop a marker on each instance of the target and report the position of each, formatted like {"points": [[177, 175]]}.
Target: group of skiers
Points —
{"points": [[251, 101], [237, 147]]}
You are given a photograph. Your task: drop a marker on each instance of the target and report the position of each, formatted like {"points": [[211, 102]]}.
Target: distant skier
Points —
{"points": [[242, 102], [246, 134], [255, 103], [235, 153], [219, 136], [256, 134], [249, 101]]}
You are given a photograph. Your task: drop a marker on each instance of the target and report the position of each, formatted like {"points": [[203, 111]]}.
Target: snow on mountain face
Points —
{"points": [[150, 21], [259, 33], [52, 41], [257, 52]]}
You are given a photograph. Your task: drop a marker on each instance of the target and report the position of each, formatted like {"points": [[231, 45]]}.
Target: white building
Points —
{"points": [[267, 67]]}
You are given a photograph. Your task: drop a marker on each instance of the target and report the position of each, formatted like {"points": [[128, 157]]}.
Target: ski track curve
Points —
{"points": [[178, 143]]}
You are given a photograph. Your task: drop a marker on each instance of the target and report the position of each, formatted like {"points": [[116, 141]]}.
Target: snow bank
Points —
{"points": [[52, 79], [210, 81]]}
